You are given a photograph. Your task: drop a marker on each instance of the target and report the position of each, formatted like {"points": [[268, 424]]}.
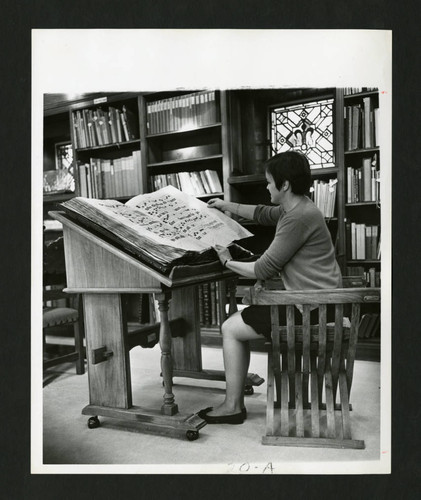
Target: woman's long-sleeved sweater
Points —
{"points": [[302, 249]]}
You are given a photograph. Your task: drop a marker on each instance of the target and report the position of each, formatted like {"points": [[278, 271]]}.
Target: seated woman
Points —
{"points": [[301, 251]]}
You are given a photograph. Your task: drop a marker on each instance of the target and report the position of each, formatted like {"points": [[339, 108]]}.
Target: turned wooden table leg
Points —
{"points": [[169, 407]]}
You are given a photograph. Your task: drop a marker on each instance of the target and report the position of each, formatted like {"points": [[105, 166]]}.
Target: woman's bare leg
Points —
{"points": [[236, 351]]}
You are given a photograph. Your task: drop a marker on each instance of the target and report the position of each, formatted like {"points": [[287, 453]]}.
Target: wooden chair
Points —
{"points": [[53, 317], [60, 309], [310, 366]]}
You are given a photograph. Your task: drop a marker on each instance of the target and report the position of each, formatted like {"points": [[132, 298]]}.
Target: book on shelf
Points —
{"points": [[164, 229], [195, 183], [323, 195], [209, 304], [99, 127], [363, 182], [361, 125], [130, 124], [105, 178], [188, 111], [370, 276], [358, 90], [369, 326], [362, 241]]}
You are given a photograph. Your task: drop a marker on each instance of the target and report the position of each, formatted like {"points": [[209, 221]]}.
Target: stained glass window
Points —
{"points": [[64, 156], [306, 127]]}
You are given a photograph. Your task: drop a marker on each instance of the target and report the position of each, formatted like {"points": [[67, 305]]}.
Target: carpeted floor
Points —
{"points": [[67, 441]]}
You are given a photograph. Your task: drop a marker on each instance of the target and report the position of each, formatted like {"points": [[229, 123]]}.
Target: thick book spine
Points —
{"points": [[201, 305], [207, 314], [366, 169], [214, 319], [367, 138]]}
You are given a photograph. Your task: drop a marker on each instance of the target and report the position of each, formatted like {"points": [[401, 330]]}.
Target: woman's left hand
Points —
{"points": [[223, 254]]}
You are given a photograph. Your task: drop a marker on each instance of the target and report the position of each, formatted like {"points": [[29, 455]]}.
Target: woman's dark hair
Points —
{"points": [[290, 166]]}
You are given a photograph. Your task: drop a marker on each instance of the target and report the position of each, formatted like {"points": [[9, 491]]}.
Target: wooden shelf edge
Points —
{"points": [[57, 197], [183, 131], [364, 261], [261, 178], [363, 204], [375, 149], [116, 145], [184, 161], [367, 93], [247, 179], [324, 171]]}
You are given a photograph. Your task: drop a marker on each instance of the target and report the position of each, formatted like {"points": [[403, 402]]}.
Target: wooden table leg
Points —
{"points": [[169, 407], [110, 393], [109, 378]]}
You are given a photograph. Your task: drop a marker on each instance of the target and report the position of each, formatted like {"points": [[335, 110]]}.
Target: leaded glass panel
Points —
{"points": [[306, 127]]}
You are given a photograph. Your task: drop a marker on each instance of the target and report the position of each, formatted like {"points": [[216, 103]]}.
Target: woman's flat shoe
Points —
{"points": [[203, 412], [236, 418]]}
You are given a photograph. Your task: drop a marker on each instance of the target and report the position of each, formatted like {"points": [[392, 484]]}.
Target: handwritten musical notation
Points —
{"points": [[149, 225], [168, 217], [186, 221]]}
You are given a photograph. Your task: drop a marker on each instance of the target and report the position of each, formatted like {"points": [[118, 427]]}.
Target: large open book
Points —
{"points": [[165, 228]]}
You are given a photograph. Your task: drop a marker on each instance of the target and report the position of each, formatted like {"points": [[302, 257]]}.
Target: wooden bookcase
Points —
{"points": [[184, 135], [233, 140], [362, 200], [107, 146]]}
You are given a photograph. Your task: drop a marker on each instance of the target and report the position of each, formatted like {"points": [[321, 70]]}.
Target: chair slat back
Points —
{"points": [[310, 364]]}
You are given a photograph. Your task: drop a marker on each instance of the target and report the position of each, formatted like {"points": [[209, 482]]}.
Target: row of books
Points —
{"points": [[371, 276], [369, 326], [209, 311], [103, 178], [363, 241], [361, 125], [324, 195], [358, 90], [196, 183], [98, 127], [182, 112], [363, 183]]}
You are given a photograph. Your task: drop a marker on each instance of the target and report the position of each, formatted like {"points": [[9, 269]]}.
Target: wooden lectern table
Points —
{"points": [[102, 272]]}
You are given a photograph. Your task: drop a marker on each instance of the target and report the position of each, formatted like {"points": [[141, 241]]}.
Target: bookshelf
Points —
{"points": [[107, 146], [362, 202], [185, 141]]}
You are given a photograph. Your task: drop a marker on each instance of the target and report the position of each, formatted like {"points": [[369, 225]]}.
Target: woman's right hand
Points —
{"points": [[217, 203]]}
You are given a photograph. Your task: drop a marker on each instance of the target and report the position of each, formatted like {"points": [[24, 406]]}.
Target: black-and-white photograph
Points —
{"points": [[214, 294]]}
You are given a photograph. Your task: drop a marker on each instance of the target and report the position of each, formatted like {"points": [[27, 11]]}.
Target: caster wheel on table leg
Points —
{"points": [[192, 435], [248, 390], [93, 422]]}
